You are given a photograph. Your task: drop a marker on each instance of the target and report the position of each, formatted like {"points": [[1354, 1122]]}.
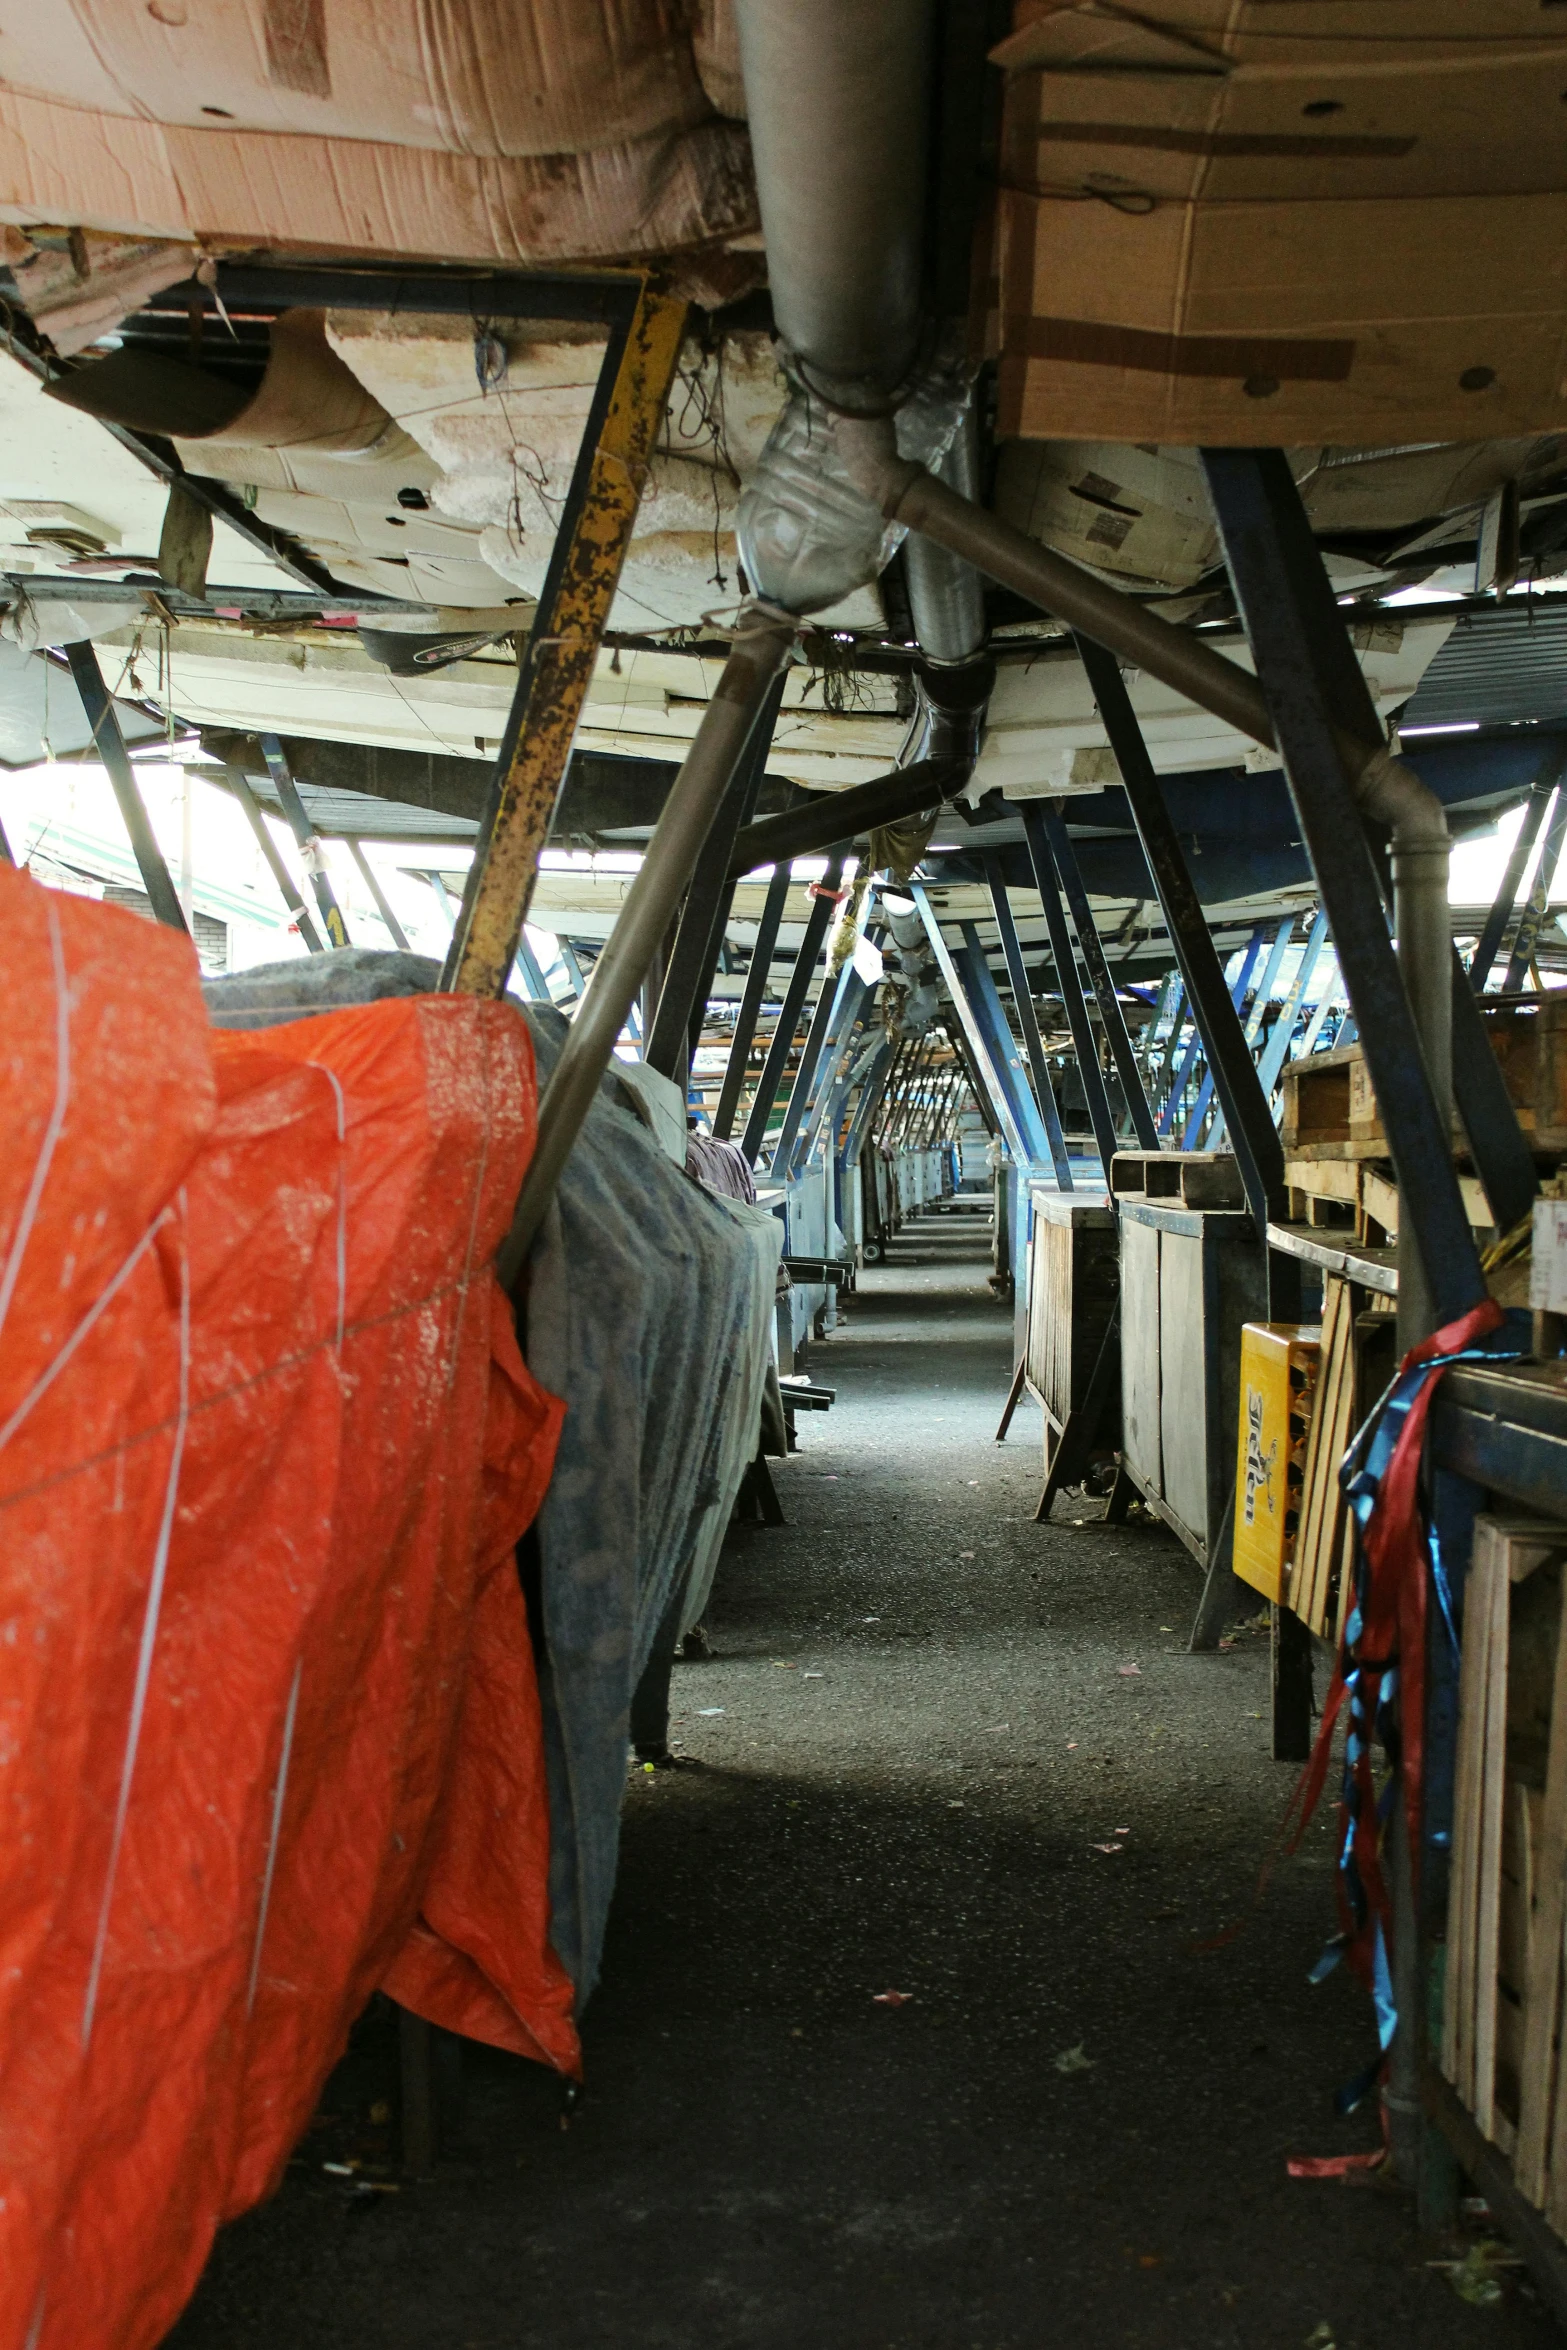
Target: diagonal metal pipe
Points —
{"points": [[758, 653]]}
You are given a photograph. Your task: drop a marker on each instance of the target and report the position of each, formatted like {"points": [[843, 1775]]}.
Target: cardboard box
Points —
{"points": [[483, 131], [1289, 222], [1280, 324], [1286, 100], [471, 77], [240, 189]]}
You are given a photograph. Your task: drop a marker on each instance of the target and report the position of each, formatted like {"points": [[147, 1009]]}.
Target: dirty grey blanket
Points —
{"points": [[643, 1311]]}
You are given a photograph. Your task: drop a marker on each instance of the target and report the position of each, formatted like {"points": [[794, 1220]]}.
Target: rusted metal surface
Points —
{"points": [[558, 661]]}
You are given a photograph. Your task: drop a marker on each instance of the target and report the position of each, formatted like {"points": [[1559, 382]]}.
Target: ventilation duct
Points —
{"points": [[838, 93]]}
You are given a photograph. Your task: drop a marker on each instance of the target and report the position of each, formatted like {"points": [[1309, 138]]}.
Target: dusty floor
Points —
{"points": [[919, 1728]]}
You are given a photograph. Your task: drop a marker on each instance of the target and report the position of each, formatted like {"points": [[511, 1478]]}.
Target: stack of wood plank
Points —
{"points": [[1504, 1985], [1356, 1360]]}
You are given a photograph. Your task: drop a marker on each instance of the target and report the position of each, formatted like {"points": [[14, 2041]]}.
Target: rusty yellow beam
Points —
{"points": [[558, 660]]}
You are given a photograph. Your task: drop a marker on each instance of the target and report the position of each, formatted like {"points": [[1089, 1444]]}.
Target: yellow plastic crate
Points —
{"points": [[1277, 1389]]}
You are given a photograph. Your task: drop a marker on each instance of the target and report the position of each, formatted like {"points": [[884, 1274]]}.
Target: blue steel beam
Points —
{"points": [[1237, 997], [1008, 1052], [985, 1058]]}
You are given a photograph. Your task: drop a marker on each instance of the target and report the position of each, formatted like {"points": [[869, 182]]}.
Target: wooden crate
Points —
{"points": [[1073, 1282], [1331, 1111], [1197, 1179], [1316, 1100], [1190, 1279], [1503, 1994]]}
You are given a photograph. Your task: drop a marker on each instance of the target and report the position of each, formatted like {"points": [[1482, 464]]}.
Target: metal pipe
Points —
{"points": [[838, 96], [946, 596], [757, 654], [829, 818], [689, 974]]}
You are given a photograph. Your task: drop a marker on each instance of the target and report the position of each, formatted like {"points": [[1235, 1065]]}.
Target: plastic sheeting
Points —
{"points": [[269, 1734], [649, 1310]]}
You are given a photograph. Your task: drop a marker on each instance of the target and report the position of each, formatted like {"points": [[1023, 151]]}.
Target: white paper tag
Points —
{"points": [[867, 961], [1548, 1268]]}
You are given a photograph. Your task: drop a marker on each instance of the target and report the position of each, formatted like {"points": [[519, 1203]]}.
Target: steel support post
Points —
{"points": [[1168, 998], [1533, 915], [1318, 698], [751, 1000], [1033, 1042], [1199, 1109], [1003, 1045], [911, 1084], [981, 1051], [239, 784], [533, 978], [832, 1094], [398, 935], [306, 839], [872, 1090], [891, 1079], [1112, 1018], [110, 746], [1179, 1081], [837, 1007], [960, 1045], [574, 970], [557, 663], [1506, 898], [817, 923], [1246, 1113], [1270, 972], [1160, 1061], [1096, 1093], [689, 974], [1276, 1050], [1316, 694]]}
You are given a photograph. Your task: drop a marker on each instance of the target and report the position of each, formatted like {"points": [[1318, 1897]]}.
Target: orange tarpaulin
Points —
{"points": [[269, 1729]]}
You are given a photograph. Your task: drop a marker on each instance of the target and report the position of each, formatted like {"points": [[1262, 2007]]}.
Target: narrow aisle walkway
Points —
{"points": [[919, 1729]]}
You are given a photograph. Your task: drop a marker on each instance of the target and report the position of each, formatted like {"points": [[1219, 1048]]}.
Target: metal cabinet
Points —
{"points": [[1190, 1278]]}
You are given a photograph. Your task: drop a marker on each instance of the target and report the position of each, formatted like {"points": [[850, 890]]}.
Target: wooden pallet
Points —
{"points": [[1193, 1179], [1503, 2000], [1358, 1193], [1330, 1110]]}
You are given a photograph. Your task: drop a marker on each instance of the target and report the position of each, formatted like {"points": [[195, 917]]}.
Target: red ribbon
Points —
{"points": [[1393, 1626]]}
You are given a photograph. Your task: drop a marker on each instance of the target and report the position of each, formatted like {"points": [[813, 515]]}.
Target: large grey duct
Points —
{"points": [[839, 94]]}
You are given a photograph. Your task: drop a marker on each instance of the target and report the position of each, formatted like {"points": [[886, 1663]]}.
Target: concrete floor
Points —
{"points": [[919, 1727]]}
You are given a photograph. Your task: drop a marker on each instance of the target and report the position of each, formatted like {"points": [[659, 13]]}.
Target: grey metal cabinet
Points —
{"points": [[1190, 1278]]}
